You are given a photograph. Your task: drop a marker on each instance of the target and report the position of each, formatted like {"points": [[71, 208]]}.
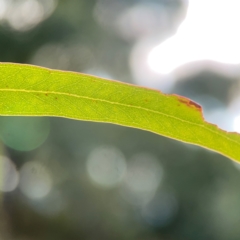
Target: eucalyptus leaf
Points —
{"points": [[27, 90]]}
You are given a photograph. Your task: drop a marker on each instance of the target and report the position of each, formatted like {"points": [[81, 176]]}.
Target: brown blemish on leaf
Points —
{"points": [[188, 102]]}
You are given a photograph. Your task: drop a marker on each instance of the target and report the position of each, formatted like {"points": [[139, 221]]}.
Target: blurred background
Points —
{"points": [[66, 179]]}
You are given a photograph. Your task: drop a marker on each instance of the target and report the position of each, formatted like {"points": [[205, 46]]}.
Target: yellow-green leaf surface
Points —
{"points": [[34, 91]]}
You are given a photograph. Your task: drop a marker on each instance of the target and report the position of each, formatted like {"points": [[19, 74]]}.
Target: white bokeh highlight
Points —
{"points": [[209, 32], [144, 175], [106, 166], [236, 124], [23, 15], [35, 180], [9, 177]]}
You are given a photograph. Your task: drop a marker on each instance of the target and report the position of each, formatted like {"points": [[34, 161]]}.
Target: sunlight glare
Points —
{"points": [[209, 32], [237, 124]]}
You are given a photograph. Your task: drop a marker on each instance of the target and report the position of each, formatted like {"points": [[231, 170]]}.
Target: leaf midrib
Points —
{"points": [[120, 104]]}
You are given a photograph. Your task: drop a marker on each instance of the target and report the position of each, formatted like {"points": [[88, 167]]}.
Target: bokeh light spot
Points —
{"points": [[142, 73], [23, 15], [24, 133], [143, 177], [9, 176], [35, 180], [106, 166], [142, 20]]}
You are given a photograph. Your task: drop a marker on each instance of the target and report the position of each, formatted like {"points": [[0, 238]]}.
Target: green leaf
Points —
{"points": [[34, 91]]}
